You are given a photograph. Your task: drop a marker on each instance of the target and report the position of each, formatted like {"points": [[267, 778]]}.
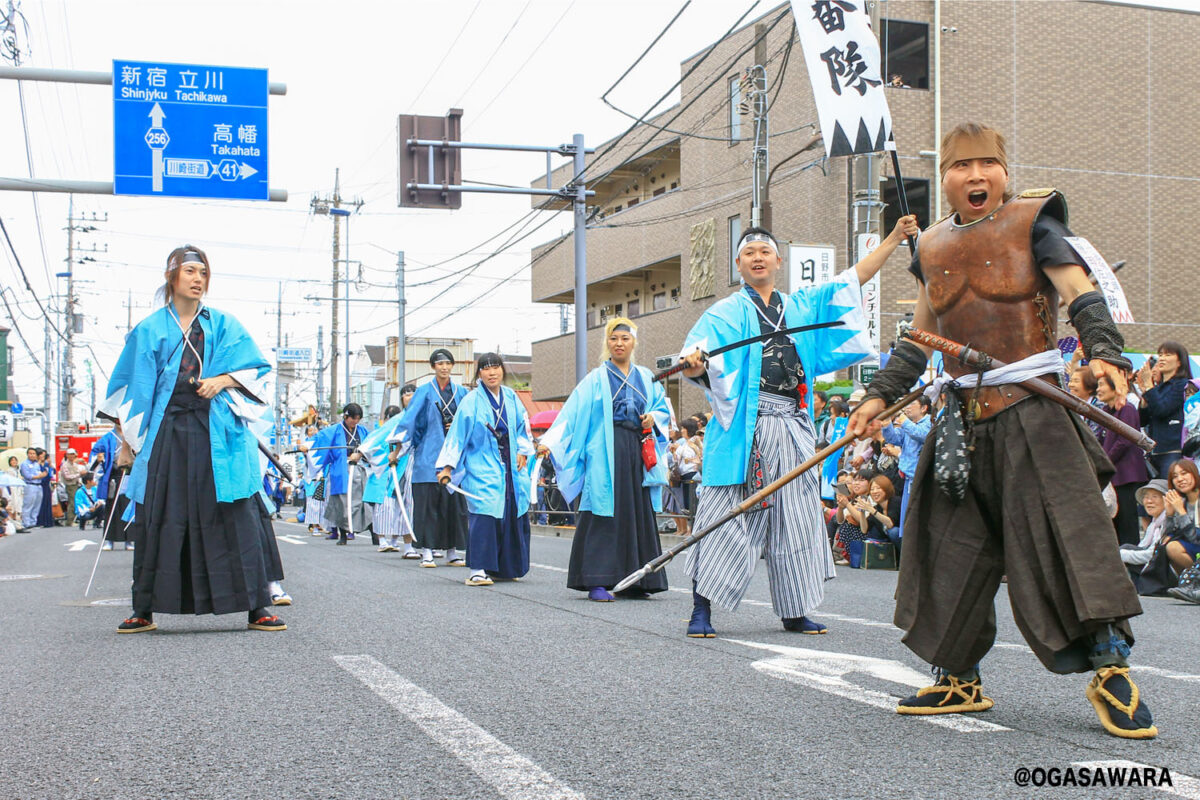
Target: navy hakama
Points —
{"points": [[500, 546], [194, 555], [606, 549]]}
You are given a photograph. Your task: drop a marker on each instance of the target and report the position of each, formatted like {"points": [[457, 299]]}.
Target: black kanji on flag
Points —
{"points": [[846, 69]]}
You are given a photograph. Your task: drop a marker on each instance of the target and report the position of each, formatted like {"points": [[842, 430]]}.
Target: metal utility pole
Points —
{"points": [[401, 348], [331, 205], [756, 83], [72, 322], [580, 208], [47, 398]]}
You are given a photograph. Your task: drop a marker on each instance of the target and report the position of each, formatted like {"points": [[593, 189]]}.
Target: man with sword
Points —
{"points": [[1000, 492], [762, 429]]}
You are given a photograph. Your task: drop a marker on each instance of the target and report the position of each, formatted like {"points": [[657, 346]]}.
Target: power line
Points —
{"points": [[488, 63], [436, 70], [533, 52]]}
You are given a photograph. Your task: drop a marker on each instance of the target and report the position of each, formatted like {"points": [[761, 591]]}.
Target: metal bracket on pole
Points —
{"points": [[575, 190]]}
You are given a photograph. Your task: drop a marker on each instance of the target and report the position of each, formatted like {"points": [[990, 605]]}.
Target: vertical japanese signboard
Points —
{"points": [[809, 265], [186, 130]]}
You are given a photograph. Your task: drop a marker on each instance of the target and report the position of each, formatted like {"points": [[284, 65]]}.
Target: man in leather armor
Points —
{"points": [[1030, 505]]}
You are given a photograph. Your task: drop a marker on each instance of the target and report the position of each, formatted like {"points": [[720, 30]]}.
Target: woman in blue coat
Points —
{"points": [[616, 413], [487, 448]]}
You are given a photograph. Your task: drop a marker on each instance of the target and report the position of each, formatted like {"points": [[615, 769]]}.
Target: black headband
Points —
{"points": [[191, 257], [441, 354], [622, 327]]}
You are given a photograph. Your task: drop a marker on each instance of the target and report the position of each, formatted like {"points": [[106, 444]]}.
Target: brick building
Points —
{"points": [[1094, 100]]}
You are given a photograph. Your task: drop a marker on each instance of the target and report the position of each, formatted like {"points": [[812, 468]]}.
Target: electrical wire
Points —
{"points": [[20, 335], [533, 52], [488, 63], [435, 71]]}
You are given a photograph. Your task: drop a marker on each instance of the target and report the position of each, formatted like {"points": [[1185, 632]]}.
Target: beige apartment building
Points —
{"points": [[1097, 99]]}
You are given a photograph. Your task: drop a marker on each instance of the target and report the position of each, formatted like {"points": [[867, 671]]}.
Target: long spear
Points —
{"points": [[753, 500], [968, 356]]}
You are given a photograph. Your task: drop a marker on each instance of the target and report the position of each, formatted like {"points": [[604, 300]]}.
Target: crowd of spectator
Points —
{"points": [[38, 494], [1153, 497]]}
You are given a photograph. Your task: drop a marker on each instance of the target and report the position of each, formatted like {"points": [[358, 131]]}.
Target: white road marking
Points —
{"points": [[77, 545], [20, 577], [512, 774], [871, 623], [823, 670], [290, 539], [1182, 785]]}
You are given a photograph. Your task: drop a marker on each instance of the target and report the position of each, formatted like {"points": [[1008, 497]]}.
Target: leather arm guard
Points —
{"points": [[1097, 331], [903, 369]]}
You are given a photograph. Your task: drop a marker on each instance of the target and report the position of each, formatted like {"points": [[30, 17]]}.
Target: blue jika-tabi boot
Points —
{"points": [[700, 626]]}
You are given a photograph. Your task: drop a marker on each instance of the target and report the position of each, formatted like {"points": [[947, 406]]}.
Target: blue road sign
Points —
{"points": [[187, 130], [17, 408]]}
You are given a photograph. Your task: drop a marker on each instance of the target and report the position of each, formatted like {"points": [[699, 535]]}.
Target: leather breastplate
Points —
{"points": [[986, 290]]}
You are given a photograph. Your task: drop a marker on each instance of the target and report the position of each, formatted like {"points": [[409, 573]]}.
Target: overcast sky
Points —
{"points": [[523, 71]]}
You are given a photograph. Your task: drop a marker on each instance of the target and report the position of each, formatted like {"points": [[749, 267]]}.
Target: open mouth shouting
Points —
{"points": [[977, 199]]}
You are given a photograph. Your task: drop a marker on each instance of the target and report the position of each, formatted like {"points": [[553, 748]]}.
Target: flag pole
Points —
{"points": [[901, 193]]}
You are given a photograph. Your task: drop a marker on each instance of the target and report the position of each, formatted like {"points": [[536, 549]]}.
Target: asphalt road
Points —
{"points": [[394, 681]]}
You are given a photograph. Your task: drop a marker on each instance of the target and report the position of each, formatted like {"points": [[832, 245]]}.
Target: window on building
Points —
{"points": [[675, 296], [735, 236], [905, 54], [735, 115], [635, 308], [660, 301], [592, 319], [917, 190]]}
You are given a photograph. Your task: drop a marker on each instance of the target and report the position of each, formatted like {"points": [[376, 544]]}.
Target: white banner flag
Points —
{"points": [[843, 60], [1106, 279]]}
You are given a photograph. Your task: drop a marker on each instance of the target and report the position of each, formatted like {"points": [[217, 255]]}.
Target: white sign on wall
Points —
{"points": [[809, 265]]}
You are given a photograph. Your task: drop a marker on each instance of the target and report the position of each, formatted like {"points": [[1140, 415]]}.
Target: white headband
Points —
{"points": [[765, 238]]}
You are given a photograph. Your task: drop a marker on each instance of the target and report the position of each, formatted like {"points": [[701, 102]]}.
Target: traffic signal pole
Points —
{"points": [[575, 190]]}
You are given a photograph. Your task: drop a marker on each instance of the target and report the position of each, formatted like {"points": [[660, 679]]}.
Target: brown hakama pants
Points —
{"points": [[1033, 511]]}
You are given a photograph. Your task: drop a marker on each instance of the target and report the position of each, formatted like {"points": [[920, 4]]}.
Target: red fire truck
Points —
{"points": [[78, 435]]}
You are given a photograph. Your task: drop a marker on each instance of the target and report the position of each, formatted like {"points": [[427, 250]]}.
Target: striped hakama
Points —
{"points": [[389, 522], [314, 510], [790, 531]]}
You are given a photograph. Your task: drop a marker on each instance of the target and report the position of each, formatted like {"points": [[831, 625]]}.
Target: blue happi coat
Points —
{"points": [[734, 376], [581, 441], [333, 461], [110, 445], [421, 429], [375, 449], [474, 454], [144, 379]]}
